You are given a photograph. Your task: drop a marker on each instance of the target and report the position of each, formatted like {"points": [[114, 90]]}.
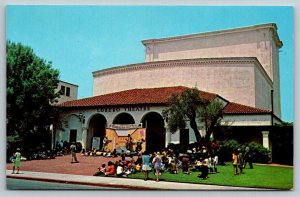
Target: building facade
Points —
{"points": [[68, 91], [220, 62], [239, 67]]}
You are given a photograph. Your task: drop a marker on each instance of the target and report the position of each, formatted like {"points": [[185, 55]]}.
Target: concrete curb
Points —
{"points": [[82, 183], [125, 183]]}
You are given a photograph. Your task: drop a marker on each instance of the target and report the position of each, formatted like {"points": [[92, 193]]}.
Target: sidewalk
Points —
{"points": [[134, 184], [61, 170]]}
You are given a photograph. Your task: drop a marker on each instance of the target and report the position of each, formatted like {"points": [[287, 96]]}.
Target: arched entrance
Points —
{"points": [[97, 128], [155, 131], [123, 118]]}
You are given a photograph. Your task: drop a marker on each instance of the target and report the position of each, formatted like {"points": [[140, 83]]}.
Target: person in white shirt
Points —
{"points": [[120, 170]]}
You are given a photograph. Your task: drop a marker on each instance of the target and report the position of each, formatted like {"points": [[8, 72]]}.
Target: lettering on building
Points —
{"points": [[126, 109]]}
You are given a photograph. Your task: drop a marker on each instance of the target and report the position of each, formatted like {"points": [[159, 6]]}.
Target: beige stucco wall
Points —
{"points": [[263, 92], [276, 85], [242, 82], [233, 80], [260, 41], [248, 42]]}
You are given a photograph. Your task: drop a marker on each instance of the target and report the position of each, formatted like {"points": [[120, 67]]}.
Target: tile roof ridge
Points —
{"points": [[255, 108]]}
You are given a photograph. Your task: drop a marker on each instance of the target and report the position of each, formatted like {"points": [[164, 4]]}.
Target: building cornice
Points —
{"points": [[271, 26], [275, 37], [183, 62], [68, 83]]}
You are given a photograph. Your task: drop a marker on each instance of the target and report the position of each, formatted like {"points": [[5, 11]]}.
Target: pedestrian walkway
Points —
{"points": [[60, 169], [136, 184]]}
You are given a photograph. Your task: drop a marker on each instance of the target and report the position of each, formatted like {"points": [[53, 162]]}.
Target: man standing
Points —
{"points": [[105, 143], [248, 157], [73, 153], [240, 161], [129, 143]]}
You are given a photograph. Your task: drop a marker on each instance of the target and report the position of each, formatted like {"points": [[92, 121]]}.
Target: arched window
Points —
{"points": [[123, 118]]}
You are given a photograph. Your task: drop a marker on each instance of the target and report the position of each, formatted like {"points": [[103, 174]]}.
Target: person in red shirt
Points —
{"points": [[111, 169]]}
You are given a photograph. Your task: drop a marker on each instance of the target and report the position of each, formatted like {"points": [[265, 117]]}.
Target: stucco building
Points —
{"points": [[239, 67], [68, 91]]}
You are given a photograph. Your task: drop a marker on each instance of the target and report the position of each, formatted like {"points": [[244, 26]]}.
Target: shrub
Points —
{"points": [[227, 149], [259, 153]]}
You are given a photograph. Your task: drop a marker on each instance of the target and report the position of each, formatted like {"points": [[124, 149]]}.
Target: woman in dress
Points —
{"points": [[157, 165], [17, 161], [146, 165]]}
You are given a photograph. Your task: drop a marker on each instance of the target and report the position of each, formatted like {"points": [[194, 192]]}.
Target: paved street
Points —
{"points": [[22, 184]]}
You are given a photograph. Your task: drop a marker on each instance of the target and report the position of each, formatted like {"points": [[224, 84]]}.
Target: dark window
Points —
{"points": [[73, 135], [68, 92], [62, 90]]}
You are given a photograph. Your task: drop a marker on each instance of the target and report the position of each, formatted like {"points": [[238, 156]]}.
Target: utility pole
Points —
{"points": [[272, 105]]}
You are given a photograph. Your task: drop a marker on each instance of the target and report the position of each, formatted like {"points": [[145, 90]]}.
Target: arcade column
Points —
{"points": [[265, 139], [168, 135], [84, 137]]}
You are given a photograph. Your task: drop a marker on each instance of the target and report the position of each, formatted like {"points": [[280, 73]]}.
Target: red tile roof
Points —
{"points": [[134, 97], [154, 96], [235, 108]]}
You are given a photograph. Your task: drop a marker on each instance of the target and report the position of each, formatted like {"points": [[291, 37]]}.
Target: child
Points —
{"points": [[111, 169], [235, 162], [240, 161], [185, 164], [204, 170], [138, 167], [120, 170], [101, 171], [17, 161], [146, 165], [173, 167]]}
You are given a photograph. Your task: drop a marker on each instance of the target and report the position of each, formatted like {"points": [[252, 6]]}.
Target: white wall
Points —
{"points": [[246, 120], [232, 79]]}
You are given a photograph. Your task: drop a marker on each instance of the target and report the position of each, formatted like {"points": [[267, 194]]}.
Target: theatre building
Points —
{"points": [[239, 67]]}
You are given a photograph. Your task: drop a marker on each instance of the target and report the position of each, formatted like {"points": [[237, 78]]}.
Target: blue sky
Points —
{"points": [[81, 39]]}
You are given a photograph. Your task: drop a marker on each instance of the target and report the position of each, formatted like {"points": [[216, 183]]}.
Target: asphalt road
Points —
{"points": [[20, 184]]}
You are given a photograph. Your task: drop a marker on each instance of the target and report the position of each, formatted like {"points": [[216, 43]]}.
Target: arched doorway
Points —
{"points": [[123, 118], [155, 131], [97, 128]]}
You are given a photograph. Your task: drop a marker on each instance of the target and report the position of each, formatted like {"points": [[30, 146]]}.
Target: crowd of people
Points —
{"points": [[195, 160], [166, 161]]}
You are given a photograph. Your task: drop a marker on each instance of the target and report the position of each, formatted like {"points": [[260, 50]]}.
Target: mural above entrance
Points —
{"points": [[120, 138]]}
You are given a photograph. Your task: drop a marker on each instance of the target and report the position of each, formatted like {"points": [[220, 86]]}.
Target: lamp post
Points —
{"points": [[81, 118]]}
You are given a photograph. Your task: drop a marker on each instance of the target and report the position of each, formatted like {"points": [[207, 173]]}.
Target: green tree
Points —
{"points": [[211, 115], [31, 84], [188, 107], [183, 108]]}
